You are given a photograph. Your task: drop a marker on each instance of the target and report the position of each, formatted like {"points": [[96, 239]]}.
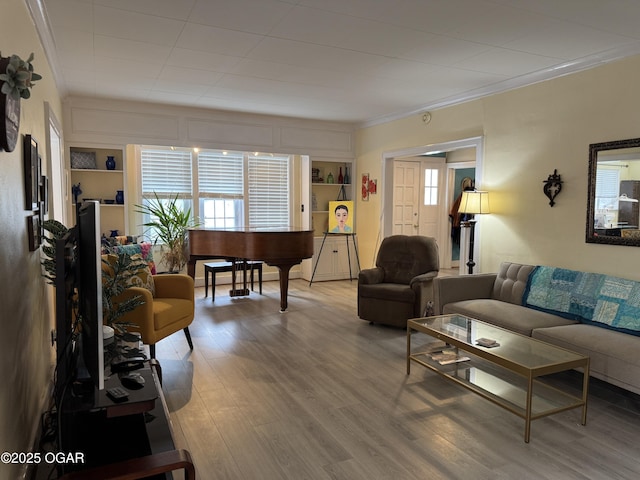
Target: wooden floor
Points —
{"points": [[317, 393]]}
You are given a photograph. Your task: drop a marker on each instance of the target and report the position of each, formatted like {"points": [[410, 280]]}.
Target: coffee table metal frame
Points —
{"points": [[505, 375]]}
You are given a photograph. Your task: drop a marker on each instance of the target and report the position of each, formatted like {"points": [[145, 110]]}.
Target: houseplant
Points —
{"points": [[18, 77], [116, 273], [169, 224]]}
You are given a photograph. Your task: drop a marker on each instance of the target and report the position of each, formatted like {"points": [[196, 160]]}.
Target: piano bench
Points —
{"points": [[220, 267]]}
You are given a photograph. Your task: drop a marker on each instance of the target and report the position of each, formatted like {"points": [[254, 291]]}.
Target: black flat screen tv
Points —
{"points": [[90, 291], [79, 334]]}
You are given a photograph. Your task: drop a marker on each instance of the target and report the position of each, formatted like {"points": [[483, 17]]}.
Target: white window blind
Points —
{"points": [[166, 172], [220, 174], [607, 188], [268, 190]]}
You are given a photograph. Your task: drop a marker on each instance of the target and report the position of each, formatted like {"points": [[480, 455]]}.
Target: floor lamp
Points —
{"points": [[473, 202]]}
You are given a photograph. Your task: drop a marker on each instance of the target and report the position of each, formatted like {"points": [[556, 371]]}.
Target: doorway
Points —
{"points": [[443, 236]]}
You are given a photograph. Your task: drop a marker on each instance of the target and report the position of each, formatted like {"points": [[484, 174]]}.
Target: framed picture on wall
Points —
{"points": [[33, 231], [341, 218], [31, 172]]}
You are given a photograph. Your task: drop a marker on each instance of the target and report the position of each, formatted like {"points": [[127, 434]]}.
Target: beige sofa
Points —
{"points": [[509, 299]]}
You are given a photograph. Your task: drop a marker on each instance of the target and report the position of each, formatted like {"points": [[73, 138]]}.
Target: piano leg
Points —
{"points": [[284, 284]]}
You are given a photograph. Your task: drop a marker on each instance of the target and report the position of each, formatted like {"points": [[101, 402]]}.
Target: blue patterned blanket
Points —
{"points": [[594, 298]]}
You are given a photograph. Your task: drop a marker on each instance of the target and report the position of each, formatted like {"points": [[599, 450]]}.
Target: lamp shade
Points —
{"points": [[474, 201]]}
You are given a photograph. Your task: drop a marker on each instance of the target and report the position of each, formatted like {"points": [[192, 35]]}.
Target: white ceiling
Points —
{"points": [[363, 61]]}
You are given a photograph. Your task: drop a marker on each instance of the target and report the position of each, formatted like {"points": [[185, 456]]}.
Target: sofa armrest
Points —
{"points": [[465, 287], [174, 285], [370, 276]]}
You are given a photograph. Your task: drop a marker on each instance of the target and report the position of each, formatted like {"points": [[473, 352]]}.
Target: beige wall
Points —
{"points": [[25, 346], [528, 133]]}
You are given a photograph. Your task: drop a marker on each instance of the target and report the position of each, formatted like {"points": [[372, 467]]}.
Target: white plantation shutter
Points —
{"points": [[166, 172], [220, 175], [268, 190]]}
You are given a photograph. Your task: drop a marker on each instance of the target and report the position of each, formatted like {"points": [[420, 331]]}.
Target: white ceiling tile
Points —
{"points": [[256, 16], [178, 10], [445, 50], [217, 40], [311, 55], [129, 49], [501, 61], [189, 76], [135, 26], [183, 57], [73, 14], [567, 40]]}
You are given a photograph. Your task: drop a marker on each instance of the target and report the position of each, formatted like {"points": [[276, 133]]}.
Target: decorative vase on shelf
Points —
{"points": [[111, 163], [120, 197], [340, 177], [347, 180], [330, 178]]}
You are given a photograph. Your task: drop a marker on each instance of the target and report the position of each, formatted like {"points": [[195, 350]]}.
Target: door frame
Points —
{"points": [[387, 184]]}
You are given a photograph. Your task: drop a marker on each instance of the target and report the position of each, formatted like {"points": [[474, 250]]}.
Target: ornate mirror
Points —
{"points": [[613, 200]]}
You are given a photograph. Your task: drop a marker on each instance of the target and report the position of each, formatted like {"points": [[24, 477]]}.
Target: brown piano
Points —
{"points": [[279, 247]]}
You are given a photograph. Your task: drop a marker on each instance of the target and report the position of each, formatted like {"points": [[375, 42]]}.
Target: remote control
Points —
{"points": [[117, 394]]}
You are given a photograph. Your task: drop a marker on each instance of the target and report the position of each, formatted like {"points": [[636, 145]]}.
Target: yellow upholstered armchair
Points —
{"points": [[169, 303], [171, 309]]}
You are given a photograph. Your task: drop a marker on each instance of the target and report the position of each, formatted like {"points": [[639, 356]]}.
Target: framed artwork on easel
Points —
{"points": [[341, 217]]}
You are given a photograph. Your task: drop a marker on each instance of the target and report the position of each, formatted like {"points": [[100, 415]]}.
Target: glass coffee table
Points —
{"points": [[505, 373]]}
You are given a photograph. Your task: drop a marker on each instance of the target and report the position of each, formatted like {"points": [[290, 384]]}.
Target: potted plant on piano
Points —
{"points": [[168, 223]]}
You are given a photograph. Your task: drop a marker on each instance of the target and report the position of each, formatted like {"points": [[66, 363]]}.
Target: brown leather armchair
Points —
{"points": [[400, 286]]}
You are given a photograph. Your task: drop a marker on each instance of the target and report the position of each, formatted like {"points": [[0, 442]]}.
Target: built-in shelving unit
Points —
{"points": [[332, 258], [102, 184]]}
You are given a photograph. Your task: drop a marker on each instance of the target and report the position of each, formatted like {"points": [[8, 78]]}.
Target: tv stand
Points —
{"points": [[127, 440]]}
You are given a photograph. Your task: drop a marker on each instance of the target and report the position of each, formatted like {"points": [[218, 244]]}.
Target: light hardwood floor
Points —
{"points": [[317, 393]]}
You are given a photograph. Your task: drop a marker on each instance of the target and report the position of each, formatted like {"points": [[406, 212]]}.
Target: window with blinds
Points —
{"points": [[607, 188], [166, 172], [232, 189], [268, 190]]}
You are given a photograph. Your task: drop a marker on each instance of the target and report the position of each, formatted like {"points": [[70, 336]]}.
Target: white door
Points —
{"points": [[419, 199], [406, 197]]}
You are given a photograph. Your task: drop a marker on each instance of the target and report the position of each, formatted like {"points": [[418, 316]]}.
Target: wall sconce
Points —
{"points": [[473, 202], [552, 187]]}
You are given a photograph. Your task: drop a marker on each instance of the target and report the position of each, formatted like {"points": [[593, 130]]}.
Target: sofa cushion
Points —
{"points": [[506, 315], [511, 282], [613, 355]]}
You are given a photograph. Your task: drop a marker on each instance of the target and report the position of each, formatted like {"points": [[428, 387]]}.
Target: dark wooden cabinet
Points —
{"points": [[628, 210]]}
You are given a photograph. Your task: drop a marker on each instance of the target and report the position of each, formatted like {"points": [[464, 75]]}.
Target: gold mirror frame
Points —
{"points": [[592, 235]]}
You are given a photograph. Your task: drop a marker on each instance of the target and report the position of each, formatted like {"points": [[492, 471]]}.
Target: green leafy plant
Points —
{"points": [[169, 224], [18, 77], [48, 261], [123, 268]]}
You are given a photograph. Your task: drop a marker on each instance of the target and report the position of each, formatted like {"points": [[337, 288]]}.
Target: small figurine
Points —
{"points": [[76, 191]]}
